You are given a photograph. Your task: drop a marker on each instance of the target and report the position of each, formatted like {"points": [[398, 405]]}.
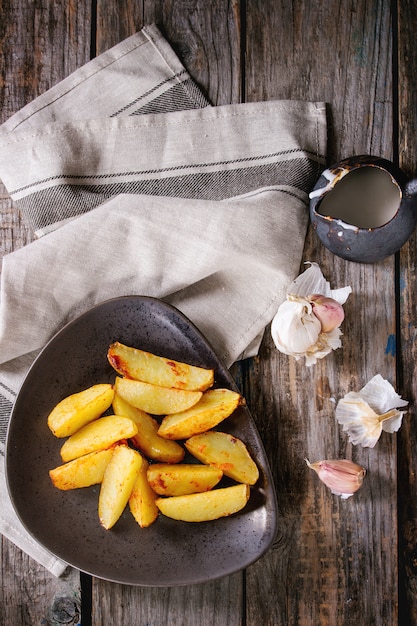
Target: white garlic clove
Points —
{"points": [[295, 329]]}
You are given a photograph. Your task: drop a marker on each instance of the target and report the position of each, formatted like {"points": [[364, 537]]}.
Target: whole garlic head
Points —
{"points": [[307, 324]]}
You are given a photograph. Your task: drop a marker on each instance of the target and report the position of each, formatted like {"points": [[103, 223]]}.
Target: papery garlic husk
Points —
{"points": [[312, 281], [325, 344], [365, 414], [343, 477]]}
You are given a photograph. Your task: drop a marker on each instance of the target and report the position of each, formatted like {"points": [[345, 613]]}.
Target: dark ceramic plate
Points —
{"points": [[168, 553]]}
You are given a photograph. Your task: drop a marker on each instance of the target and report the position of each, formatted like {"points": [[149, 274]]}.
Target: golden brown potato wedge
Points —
{"points": [[150, 368], [100, 434], [78, 409], [226, 452], [155, 399], [179, 480], [203, 507], [83, 471], [117, 484], [142, 499], [147, 439], [214, 406]]}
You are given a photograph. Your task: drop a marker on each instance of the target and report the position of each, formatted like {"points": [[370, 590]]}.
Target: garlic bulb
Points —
{"points": [[295, 328], [343, 477], [365, 414], [307, 324]]}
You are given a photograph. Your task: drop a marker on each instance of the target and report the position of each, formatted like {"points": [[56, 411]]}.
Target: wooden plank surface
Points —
{"points": [[407, 353], [327, 563], [334, 561], [40, 44]]}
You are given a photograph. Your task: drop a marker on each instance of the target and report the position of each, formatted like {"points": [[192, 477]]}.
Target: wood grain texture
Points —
{"points": [[324, 566], [218, 603], [407, 352], [299, 50], [41, 43], [116, 21], [207, 38], [30, 595]]}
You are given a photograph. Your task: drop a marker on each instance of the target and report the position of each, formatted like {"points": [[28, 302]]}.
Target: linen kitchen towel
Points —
{"points": [[135, 184]]}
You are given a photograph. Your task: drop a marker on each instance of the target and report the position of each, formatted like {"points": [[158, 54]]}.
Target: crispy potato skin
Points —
{"points": [[97, 435], [142, 499], [226, 452], [179, 480], [78, 409], [155, 399], [117, 484], [147, 439], [141, 365], [214, 406], [207, 506], [83, 471]]}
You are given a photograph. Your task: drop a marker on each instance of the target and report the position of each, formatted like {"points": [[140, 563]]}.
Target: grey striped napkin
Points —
{"points": [[136, 185]]}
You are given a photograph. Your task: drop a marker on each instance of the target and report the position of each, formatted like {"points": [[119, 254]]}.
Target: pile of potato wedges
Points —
{"points": [[131, 438]]}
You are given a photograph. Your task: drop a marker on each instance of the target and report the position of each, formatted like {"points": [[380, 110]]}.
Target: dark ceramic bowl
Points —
{"points": [[363, 209], [168, 553]]}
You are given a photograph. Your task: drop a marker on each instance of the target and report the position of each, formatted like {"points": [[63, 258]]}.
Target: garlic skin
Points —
{"points": [[307, 324], [343, 477], [365, 414], [312, 281]]}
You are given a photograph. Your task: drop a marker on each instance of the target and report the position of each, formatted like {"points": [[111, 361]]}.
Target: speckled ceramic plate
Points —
{"points": [[168, 553]]}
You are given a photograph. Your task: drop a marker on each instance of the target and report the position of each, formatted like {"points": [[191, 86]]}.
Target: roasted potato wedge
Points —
{"points": [[226, 452], [150, 368], [117, 484], [147, 439], [179, 480], [203, 507], [83, 471], [100, 434], [142, 499], [155, 399], [214, 406], [78, 409]]}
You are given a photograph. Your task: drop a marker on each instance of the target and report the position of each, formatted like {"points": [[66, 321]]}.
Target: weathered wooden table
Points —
{"points": [[334, 562]]}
